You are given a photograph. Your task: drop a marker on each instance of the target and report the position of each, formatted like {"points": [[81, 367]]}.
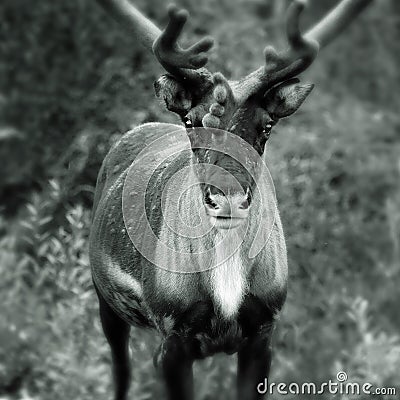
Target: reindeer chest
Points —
{"points": [[224, 284]]}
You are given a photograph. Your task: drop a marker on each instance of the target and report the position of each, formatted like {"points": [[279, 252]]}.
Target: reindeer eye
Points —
{"points": [[188, 123], [267, 128]]}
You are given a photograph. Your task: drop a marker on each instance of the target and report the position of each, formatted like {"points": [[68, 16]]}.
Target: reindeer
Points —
{"points": [[232, 303]]}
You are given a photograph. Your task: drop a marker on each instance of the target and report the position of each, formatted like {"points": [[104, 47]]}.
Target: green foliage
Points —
{"points": [[71, 81]]}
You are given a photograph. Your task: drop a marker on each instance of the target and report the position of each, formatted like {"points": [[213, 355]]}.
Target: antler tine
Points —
{"points": [[306, 46], [180, 62], [298, 43], [184, 64], [281, 66], [301, 52]]}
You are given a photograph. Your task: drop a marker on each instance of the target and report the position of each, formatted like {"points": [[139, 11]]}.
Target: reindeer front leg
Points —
{"points": [[180, 349], [116, 332], [254, 356], [254, 361], [176, 365]]}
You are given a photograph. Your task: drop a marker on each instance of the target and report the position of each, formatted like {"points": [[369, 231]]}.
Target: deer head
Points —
{"points": [[248, 108]]}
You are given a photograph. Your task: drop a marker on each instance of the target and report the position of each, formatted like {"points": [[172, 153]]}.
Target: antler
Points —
{"points": [[183, 64], [336, 21], [187, 64], [172, 57], [141, 27], [302, 48]]}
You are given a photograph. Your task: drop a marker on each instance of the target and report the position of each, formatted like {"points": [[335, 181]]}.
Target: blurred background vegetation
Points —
{"points": [[71, 81]]}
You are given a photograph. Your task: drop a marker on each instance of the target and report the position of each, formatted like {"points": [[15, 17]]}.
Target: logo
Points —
{"points": [[163, 208]]}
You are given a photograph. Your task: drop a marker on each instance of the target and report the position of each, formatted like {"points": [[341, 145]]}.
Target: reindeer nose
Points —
{"points": [[220, 205]]}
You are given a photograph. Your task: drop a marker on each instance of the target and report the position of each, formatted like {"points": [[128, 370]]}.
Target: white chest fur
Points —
{"points": [[228, 280]]}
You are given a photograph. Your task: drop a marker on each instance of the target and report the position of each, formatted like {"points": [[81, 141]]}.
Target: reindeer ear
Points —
{"points": [[283, 100], [174, 95]]}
